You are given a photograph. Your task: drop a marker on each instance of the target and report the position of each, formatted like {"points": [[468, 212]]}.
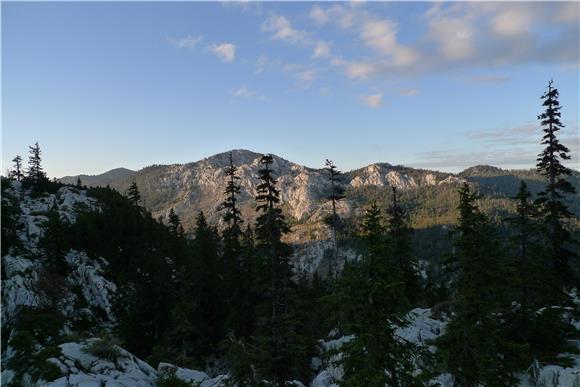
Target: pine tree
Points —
{"points": [[400, 235], [232, 215], [529, 263], [210, 295], [16, 173], [551, 200], [279, 352], [79, 182], [336, 194], [540, 331], [174, 223], [372, 295], [474, 347], [133, 194], [35, 174], [237, 291]]}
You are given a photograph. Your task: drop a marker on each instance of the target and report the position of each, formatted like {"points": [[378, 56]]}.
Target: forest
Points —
{"points": [[227, 299]]}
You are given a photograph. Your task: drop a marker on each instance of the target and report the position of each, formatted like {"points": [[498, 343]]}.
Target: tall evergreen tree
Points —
{"points": [[279, 349], [400, 235], [234, 271], [336, 194], [175, 223], [79, 182], [529, 263], [551, 199], [474, 347], [133, 194], [16, 173], [540, 331], [372, 295], [211, 308], [35, 173]]}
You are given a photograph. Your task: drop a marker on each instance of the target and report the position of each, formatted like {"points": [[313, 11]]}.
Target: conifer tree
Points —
{"points": [[373, 295], [279, 351], [16, 173], [336, 194], [35, 174], [133, 194], [474, 347], [237, 291], [400, 235], [540, 331], [526, 242], [211, 308], [174, 223], [79, 182], [551, 199]]}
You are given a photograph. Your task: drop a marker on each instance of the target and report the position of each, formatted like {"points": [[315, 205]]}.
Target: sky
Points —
{"points": [[433, 85]]}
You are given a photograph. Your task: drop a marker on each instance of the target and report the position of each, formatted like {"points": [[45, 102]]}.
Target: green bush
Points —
{"points": [[104, 348], [169, 379]]}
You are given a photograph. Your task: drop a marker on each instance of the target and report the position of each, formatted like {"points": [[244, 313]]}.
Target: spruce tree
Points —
{"points": [[402, 249], [16, 173], [133, 194], [237, 291], [529, 263], [279, 352], [551, 199], [79, 182], [35, 173], [174, 223], [474, 347], [540, 331], [336, 194], [210, 295], [372, 294]]}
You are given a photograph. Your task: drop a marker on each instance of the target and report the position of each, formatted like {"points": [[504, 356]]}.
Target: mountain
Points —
{"points": [[99, 180], [198, 186], [65, 340]]}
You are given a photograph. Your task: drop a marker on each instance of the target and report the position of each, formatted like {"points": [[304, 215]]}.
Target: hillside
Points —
{"points": [[57, 321]]}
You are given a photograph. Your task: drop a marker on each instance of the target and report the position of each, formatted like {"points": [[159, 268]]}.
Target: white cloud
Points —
{"points": [[185, 42], [246, 93], [381, 35], [512, 22], [282, 29], [454, 35], [373, 100], [360, 70], [225, 51], [318, 15], [321, 50], [490, 79]]}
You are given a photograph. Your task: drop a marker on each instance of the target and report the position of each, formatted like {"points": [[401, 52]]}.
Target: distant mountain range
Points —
{"points": [[99, 180], [198, 186]]}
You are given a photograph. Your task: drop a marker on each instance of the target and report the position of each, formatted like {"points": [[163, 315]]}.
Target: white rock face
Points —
{"points": [[22, 267], [82, 369], [423, 329]]}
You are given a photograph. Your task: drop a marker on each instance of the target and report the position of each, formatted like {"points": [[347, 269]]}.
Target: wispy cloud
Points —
{"points": [[185, 42], [225, 51], [245, 92], [490, 79], [372, 100], [282, 29], [513, 147]]}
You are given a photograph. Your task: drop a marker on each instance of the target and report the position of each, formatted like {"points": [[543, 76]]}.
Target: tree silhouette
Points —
{"points": [[551, 199], [133, 194], [16, 173], [336, 194]]}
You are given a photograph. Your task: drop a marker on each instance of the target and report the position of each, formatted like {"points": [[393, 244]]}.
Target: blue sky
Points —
{"points": [[432, 85]]}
